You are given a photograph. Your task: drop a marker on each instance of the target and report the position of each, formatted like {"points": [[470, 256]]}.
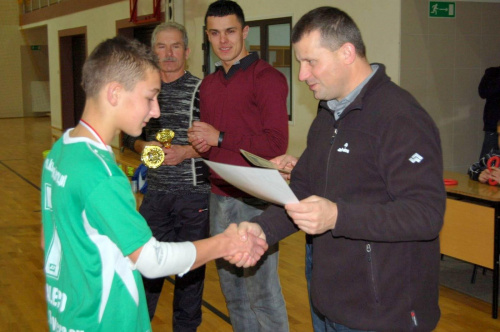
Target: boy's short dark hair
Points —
{"points": [[118, 59], [335, 26], [223, 8]]}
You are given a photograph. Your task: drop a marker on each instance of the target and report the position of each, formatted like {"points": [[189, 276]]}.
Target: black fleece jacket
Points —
{"points": [[381, 162]]}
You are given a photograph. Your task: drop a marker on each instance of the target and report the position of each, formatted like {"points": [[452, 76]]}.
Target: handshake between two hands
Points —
{"points": [[247, 241], [247, 244]]}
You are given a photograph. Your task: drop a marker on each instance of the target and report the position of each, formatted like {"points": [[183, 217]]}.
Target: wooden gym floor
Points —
{"points": [[22, 300]]}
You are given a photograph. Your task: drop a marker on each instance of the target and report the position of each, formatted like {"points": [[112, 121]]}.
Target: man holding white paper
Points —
{"points": [[372, 194]]}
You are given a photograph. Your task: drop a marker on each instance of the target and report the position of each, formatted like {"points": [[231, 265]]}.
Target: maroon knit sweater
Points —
{"points": [[250, 108]]}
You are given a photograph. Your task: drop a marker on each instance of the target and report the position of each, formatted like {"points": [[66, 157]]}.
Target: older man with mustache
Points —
{"points": [[176, 204]]}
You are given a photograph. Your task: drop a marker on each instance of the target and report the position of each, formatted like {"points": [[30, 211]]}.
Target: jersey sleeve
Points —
{"points": [[111, 209]]}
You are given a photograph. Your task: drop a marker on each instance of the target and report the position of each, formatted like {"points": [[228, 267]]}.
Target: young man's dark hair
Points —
{"points": [[223, 8], [335, 26]]}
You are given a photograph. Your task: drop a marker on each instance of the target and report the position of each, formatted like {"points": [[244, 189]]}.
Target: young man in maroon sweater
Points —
{"points": [[243, 106]]}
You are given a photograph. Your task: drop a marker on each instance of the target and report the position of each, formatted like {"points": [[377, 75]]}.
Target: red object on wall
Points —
{"points": [[155, 17]]}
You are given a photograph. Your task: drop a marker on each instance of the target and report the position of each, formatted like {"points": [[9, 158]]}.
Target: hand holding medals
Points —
{"points": [[152, 156]]}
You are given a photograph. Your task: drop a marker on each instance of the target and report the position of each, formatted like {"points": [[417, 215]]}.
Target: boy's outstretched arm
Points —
{"points": [[156, 259]]}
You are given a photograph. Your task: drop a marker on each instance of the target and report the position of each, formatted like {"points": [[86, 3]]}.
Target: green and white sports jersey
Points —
{"points": [[90, 225]]}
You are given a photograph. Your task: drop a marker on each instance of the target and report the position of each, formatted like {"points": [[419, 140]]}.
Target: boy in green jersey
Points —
{"points": [[96, 243]]}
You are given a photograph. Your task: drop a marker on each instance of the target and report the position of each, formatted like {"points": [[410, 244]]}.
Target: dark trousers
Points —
{"points": [[177, 219]]}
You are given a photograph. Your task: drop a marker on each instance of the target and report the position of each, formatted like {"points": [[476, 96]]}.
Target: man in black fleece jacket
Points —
{"points": [[371, 187]]}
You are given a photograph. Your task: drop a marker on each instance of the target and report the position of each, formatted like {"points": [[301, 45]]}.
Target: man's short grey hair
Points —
{"points": [[170, 26]]}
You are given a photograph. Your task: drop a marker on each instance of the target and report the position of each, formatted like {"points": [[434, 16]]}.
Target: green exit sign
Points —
{"points": [[36, 47], [441, 9]]}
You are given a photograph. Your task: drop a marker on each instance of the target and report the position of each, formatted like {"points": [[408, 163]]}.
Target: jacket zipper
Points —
{"points": [[369, 252], [332, 140]]}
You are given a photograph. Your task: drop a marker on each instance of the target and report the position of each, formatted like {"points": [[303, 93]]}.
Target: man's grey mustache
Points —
{"points": [[168, 58]]}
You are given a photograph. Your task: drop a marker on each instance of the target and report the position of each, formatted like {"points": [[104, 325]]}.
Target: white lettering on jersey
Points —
{"points": [[55, 297], [58, 178], [56, 326]]}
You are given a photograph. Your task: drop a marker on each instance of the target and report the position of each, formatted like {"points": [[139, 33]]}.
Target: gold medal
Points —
{"points": [[152, 156]]}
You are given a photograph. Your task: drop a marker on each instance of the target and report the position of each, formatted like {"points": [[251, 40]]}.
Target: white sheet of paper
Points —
{"points": [[266, 184]]}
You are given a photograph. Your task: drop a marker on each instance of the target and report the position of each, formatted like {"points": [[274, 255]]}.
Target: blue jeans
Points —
{"points": [[253, 295], [318, 320], [334, 327]]}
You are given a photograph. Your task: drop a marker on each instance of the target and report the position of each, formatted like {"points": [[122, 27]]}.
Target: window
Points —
{"points": [[271, 39]]}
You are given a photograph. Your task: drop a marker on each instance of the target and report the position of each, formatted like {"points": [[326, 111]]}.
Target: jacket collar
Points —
{"points": [[378, 78]]}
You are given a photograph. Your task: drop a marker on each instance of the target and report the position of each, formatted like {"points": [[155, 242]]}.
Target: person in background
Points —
{"points": [[489, 89], [96, 244], [375, 206], [176, 203], [479, 171], [243, 106]]}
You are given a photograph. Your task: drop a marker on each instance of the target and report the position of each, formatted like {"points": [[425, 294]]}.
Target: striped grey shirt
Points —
{"points": [[179, 106]]}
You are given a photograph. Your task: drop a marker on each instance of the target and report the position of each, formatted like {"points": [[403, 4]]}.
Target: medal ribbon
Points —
{"points": [[95, 134]]}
